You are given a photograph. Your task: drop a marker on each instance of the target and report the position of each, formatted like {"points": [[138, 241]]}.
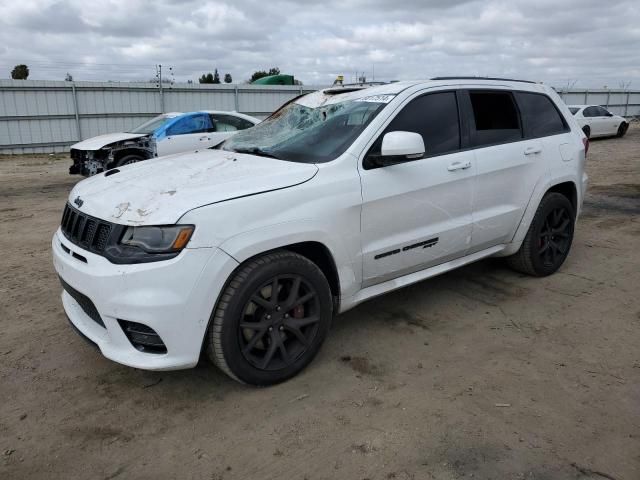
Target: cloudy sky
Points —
{"points": [[591, 42]]}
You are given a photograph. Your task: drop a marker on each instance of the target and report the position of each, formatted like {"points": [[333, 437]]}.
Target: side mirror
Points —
{"points": [[402, 144], [609, 114]]}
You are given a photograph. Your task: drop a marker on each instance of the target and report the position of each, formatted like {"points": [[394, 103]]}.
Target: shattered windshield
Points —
{"points": [[151, 125], [299, 133]]}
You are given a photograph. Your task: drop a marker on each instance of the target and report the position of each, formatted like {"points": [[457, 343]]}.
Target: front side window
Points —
{"points": [[309, 134], [590, 112], [198, 123], [495, 117], [229, 123], [435, 117], [540, 118]]}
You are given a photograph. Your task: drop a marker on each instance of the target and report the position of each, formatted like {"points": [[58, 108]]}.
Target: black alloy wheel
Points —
{"points": [[279, 322], [271, 318], [555, 237], [547, 243], [622, 129]]}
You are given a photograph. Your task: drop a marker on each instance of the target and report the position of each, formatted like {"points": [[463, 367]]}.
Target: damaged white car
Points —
{"points": [[163, 135], [248, 250]]}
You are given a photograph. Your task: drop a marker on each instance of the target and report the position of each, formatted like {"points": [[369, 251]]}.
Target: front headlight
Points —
{"points": [[150, 243]]}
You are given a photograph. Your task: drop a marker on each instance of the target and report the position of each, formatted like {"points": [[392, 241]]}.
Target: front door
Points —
{"points": [[191, 132], [417, 213]]}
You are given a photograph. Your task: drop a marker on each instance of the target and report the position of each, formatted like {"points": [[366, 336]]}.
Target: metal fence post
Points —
{"points": [[586, 97], [626, 105], [75, 109], [608, 96], [235, 98]]}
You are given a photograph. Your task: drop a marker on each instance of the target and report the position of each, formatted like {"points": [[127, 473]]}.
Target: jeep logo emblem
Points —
{"points": [[78, 201]]}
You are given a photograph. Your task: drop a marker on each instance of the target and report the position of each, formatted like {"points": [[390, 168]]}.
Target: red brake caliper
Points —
{"points": [[298, 312]]}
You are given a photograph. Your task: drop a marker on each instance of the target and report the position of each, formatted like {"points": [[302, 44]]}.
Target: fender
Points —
{"points": [[255, 242]]}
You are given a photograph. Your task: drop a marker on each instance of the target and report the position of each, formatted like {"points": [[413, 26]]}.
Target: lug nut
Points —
{"points": [[277, 308], [268, 317], [281, 328], [286, 315], [270, 329]]}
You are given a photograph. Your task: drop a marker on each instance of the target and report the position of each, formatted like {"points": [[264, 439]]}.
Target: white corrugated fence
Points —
{"points": [[49, 116]]}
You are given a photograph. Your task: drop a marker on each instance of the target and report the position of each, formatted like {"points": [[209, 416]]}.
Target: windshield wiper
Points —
{"points": [[256, 151]]}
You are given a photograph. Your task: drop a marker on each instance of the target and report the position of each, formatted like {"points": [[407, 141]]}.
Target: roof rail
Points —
{"points": [[482, 78]]}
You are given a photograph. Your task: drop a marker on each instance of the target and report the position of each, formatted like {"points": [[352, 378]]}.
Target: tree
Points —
{"points": [[68, 77], [227, 78], [207, 78], [216, 76], [261, 73], [20, 72]]}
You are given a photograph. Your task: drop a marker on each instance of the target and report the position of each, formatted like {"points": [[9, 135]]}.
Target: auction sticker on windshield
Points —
{"points": [[376, 99]]}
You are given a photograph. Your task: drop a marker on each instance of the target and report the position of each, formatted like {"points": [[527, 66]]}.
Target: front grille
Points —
{"points": [[85, 303], [142, 337], [85, 231]]}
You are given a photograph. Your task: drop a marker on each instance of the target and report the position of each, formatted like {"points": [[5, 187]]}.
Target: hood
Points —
{"points": [[96, 143], [160, 191]]}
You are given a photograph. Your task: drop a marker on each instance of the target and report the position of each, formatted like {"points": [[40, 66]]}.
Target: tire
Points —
{"points": [[128, 160], [261, 340], [622, 129], [587, 131], [549, 238]]}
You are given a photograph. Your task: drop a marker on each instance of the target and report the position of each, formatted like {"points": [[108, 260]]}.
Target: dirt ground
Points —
{"points": [[480, 373]]}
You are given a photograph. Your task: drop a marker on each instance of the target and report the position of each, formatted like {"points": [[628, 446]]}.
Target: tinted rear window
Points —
{"points": [[540, 117], [495, 116]]}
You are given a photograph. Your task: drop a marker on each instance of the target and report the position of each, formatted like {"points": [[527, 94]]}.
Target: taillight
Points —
{"points": [[585, 142]]}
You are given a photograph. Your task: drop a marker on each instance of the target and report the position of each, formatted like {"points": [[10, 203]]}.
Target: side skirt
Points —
{"points": [[365, 294]]}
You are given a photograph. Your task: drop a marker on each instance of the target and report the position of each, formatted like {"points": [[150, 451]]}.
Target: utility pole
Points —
{"points": [[159, 76]]}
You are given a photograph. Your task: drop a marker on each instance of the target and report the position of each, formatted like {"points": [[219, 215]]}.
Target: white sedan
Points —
{"points": [[597, 121], [165, 134]]}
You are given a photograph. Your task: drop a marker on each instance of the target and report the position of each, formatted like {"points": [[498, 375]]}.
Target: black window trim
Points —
{"points": [[463, 138], [566, 129], [465, 113]]}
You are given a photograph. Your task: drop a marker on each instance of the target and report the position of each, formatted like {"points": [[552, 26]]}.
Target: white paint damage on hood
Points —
{"points": [[96, 143], [160, 191]]}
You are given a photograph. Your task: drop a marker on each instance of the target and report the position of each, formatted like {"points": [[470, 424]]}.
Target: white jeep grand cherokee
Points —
{"points": [[249, 250]]}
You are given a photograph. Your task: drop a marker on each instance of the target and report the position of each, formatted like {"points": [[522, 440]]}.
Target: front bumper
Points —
{"points": [[173, 297]]}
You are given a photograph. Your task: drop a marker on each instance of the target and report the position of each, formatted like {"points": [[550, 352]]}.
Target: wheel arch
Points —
{"points": [[123, 152], [569, 190], [316, 251], [565, 186]]}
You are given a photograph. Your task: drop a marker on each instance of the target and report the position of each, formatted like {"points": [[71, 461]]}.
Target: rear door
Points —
{"points": [[609, 122], [190, 132], [508, 164], [417, 213], [594, 119]]}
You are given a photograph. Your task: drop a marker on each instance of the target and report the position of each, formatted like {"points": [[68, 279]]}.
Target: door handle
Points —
{"points": [[532, 150], [459, 166], [204, 138]]}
